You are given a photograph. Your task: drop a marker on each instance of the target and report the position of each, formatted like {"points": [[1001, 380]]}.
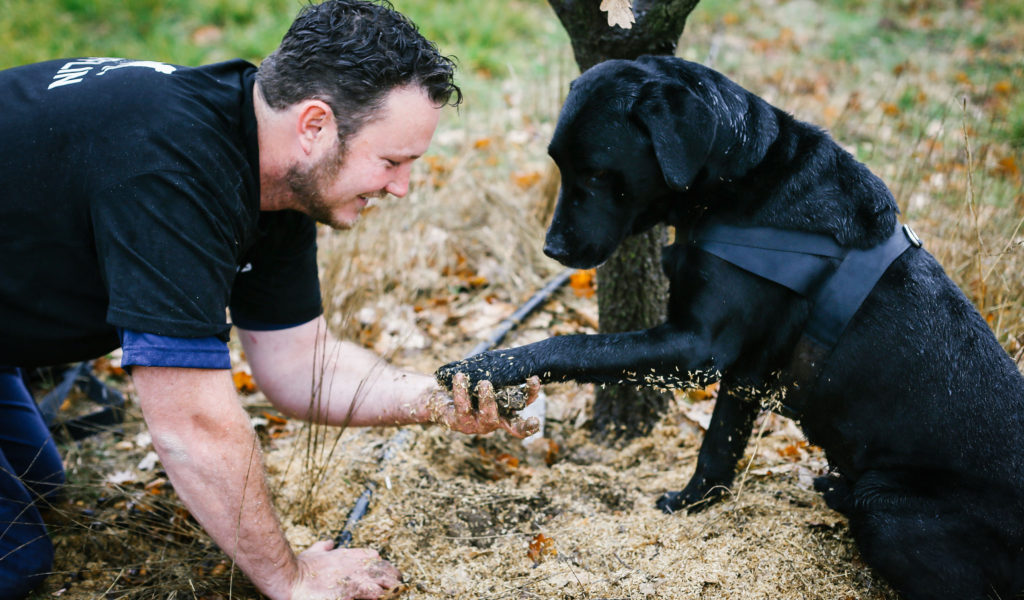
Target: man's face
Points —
{"points": [[336, 188]]}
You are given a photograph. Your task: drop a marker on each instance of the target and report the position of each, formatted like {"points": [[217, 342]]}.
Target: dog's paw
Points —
{"points": [[692, 498], [501, 368], [836, 491], [697, 496], [670, 502]]}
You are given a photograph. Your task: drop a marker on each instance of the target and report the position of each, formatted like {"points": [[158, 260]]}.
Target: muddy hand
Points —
{"points": [[458, 413], [343, 574]]}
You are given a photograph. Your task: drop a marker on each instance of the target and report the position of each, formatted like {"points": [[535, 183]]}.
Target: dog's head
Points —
{"points": [[632, 139]]}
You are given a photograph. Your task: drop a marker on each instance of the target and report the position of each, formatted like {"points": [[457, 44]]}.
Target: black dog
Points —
{"points": [[886, 365]]}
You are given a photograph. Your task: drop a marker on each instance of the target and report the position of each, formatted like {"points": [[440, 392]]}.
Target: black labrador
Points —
{"points": [[920, 411]]}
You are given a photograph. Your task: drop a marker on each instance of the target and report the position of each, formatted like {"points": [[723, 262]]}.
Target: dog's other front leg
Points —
{"points": [[724, 443]]}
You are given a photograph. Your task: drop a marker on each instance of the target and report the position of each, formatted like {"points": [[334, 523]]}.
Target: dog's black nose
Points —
{"points": [[556, 251]]}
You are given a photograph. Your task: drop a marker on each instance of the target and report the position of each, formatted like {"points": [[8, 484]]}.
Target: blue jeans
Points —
{"points": [[31, 474]]}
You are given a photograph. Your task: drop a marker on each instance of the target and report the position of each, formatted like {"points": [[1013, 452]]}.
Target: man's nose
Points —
{"points": [[399, 186]]}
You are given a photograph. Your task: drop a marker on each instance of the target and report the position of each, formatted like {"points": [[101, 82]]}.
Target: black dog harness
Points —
{"points": [[805, 263]]}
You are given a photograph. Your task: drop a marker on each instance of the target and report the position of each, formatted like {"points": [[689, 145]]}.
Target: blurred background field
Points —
{"points": [[928, 93]]}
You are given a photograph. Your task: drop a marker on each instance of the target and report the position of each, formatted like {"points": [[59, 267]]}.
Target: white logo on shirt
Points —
{"points": [[158, 67], [76, 70]]}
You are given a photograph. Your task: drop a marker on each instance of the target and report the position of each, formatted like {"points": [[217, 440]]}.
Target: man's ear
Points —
{"points": [[315, 126], [682, 128]]}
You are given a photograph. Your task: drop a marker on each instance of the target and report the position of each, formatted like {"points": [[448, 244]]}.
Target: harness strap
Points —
{"points": [[803, 262], [844, 292], [795, 259]]}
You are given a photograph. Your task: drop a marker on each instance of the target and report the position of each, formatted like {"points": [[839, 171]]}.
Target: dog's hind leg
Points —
{"points": [[724, 443], [923, 557], [928, 548]]}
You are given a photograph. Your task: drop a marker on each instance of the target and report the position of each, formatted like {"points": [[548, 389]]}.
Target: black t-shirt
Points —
{"points": [[129, 197]]}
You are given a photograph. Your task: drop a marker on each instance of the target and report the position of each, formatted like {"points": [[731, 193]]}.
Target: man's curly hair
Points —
{"points": [[351, 54]]}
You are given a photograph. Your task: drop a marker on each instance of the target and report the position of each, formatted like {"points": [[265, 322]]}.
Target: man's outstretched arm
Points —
{"points": [[307, 373]]}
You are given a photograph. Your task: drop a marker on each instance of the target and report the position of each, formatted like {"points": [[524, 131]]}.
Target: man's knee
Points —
{"points": [[26, 558]]}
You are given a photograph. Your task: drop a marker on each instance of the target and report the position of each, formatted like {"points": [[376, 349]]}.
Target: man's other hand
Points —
{"points": [[343, 574]]}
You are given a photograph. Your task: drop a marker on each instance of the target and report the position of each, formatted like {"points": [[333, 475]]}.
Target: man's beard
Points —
{"points": [[307, 184]]}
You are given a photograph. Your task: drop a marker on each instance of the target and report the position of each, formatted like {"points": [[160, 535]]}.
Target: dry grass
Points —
{"points": [[423, 278]]}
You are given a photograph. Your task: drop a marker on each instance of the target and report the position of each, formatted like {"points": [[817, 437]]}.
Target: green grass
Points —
{"points": [[149, 29], [488, 38]]}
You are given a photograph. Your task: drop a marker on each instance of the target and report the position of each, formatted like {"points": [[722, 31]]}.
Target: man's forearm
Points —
{"points": [[311, 375], [212, 457]]}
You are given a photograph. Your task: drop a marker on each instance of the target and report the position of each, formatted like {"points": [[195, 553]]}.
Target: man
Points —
{"points": [[140, 199]]}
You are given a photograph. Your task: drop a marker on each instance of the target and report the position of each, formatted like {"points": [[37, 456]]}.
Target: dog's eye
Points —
{"points": [[597, 175]]}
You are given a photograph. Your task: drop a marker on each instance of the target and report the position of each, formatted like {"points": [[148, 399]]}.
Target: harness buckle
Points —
{"points": [[914, 240]]}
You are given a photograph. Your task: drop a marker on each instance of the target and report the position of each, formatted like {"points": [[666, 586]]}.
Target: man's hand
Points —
{"points": [[343, 574], [457, 413]]}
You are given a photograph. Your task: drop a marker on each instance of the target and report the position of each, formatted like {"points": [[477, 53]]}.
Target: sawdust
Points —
{"points": [[462, 516]]}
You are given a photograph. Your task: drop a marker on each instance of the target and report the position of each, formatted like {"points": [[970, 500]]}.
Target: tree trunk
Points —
{"points": [[632, 291], [659, 23]]}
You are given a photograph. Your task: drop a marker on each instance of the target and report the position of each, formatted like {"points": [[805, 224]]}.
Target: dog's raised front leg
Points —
{"points": [[662, 356], [724, 443]]}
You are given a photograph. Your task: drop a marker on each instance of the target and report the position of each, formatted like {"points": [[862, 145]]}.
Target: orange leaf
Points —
{"points": [[507, 459], [792, 450], [103, 366], [243, 382], [276, 420], [540, 546], [890, 109], [1003, 87], [551, 455], [1008, 167], [526, 180], [582, 283]]}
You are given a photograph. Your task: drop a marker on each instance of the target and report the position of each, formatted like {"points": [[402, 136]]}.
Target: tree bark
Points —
{"points": [[659, 23], [632, 291]]}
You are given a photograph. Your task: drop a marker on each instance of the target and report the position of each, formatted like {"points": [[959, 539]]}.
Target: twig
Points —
{"points": [[974, 211]]}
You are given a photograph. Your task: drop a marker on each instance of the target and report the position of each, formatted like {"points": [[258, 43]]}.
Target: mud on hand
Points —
{"points": [[500, 369]]}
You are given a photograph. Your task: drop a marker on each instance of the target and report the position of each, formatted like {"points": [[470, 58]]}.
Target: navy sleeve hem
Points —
{"points": [[151, 350]]}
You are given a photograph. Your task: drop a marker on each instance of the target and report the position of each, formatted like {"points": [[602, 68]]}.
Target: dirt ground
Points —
{"points": [[481, 517]]}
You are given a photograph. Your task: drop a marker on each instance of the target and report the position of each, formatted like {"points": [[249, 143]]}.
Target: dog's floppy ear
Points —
{"points": [[682, 128]]}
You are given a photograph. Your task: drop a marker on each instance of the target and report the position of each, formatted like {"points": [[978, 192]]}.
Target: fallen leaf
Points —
{"points": [[541, 546], [120, 477], [890, 109], [551, 455], [1007, 167], [526, 180], [582, 283], [104, 366], [243, 382], [148, 462]]}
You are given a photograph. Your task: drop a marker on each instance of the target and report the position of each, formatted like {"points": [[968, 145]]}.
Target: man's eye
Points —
{"points": [[393, 163]]}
